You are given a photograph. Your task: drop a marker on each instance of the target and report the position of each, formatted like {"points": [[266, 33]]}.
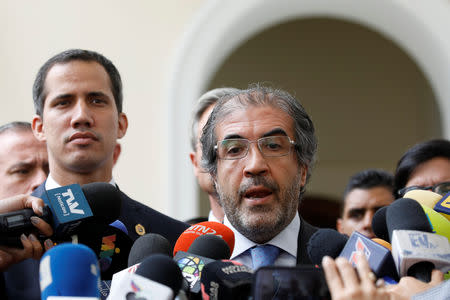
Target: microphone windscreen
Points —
{"points": [[324, 242], [379, 226], [226, 279], [383, 243], [119, 225], [111, 246], [146, 245], [69, 270], [406, 214], [162, 269], [211, 246], [424, 197], [104, 200], [189, 235]]}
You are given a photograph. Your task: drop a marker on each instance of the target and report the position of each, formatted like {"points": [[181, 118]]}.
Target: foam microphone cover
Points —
{"points": [[111, 246], [406, 214], [379, 226], [105, 201], [325, 242], [210, 246], [69, 270], [189, 235], [226, 279], [146, 245], [424, 197], [162, 269]]}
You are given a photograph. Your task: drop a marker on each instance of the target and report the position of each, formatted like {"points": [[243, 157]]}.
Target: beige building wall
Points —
{"points": [[168, 53], [138, 36]]}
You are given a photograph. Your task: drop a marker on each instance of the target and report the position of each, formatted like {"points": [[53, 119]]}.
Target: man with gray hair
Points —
{"points": [[201, 113], [259, 147]]}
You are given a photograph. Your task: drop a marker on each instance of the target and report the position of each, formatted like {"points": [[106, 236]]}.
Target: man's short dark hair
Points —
{"points": [[257, 95], [39, 93], [417, 155], [367, 179], [15, 126], [206, 100]]}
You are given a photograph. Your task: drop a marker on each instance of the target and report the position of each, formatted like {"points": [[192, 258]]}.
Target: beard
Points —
{"points": [[261, 223]]}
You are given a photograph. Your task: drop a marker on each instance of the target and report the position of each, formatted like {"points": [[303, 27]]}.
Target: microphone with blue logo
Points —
{"points": [[68, 209], [69, 271]]}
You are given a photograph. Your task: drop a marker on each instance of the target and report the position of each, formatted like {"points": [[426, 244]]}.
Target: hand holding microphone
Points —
{"points": [[32, 248]]}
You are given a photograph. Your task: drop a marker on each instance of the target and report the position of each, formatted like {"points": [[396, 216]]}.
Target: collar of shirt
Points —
{"points": [[286, 240], [50, 183], [212, 217]]}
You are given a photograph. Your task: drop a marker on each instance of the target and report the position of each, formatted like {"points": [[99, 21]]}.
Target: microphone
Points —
{"points": [[210, 246], [67, 209], [202, 228], [143, 247], [110, 245], [226, 279], [407, 214], [324, 242], [379, 226], [435, 201], [379, 257], [146, 245], [69, 270], [203, 250], [157, 277], [443, 206], [417, 253]]}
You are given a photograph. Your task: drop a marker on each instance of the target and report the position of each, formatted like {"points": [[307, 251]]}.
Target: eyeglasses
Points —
{"points": [[440, 188], [271, 146]]}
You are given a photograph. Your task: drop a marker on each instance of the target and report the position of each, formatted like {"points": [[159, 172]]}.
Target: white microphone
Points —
{"points": [[416, 253], [139, 286]]}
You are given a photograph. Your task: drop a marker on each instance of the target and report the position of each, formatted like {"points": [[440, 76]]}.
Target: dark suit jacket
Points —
{"points": [[305, 233], [22, 280]]}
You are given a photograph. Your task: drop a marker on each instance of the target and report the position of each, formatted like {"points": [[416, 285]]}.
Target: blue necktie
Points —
{"points": [[264, 255]]}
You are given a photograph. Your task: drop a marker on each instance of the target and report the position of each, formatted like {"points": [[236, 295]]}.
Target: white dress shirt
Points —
{"points": [[212, 217], [286, 240], [50, 183]]}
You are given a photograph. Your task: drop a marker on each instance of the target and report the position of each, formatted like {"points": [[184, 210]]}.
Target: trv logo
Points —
{"points": [[418, 240], [71, 203], [69, 199]]}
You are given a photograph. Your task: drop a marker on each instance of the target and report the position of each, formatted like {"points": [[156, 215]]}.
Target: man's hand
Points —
{"points": [[344, 283], [32, 248], [409, 286]]}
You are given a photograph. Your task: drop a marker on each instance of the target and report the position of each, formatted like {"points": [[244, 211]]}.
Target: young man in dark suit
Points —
{"points": [[78, 101], [259, 146]]}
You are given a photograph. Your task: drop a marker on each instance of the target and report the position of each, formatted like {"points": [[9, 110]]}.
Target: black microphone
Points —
{"points": [[146, 245], [406, 214], [67, 210], [111, 245], [210, 246], [325, 242], [226, 279], [379, 226]]}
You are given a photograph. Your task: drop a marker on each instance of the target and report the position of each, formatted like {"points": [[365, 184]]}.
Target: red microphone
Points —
{"points": [[189, 235]]}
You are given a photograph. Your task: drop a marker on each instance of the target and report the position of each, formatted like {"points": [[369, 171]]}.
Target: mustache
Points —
{"points": [[97, 136], [258, 181]]}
